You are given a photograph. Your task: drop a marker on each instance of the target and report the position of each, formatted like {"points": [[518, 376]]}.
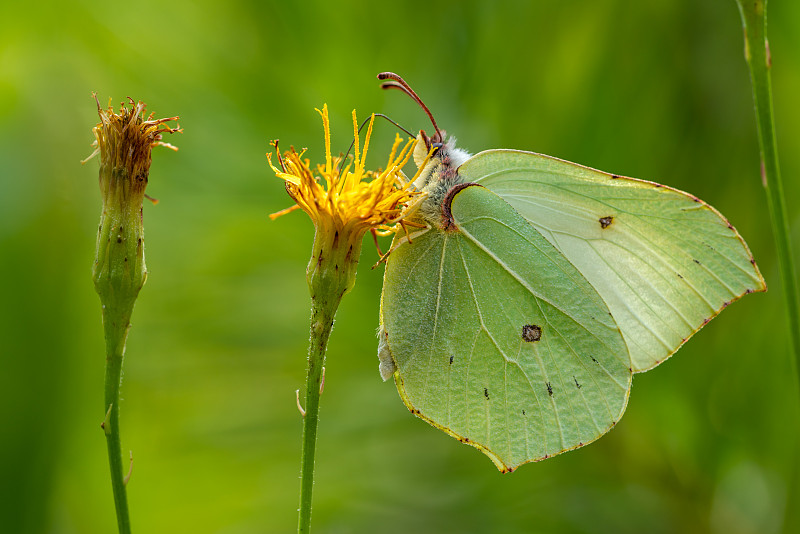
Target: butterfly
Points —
{"points": [[528, 291]]}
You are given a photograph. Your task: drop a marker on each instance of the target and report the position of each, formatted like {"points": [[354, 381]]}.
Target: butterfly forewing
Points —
{"points": [[664, 261], [498, 339]]}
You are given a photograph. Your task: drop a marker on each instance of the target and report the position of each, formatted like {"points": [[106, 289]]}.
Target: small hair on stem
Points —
{"points": [[299, 406]]}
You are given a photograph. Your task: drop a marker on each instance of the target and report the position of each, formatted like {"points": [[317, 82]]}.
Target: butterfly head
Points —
{"points": [[436, 156], [427, 145]]}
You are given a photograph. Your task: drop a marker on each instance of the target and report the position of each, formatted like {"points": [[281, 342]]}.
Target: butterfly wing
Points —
{"points": [[498, 340], [664, 261]]}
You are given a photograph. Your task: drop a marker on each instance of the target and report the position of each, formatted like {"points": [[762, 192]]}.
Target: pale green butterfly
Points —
{"points": [[516, 317]]}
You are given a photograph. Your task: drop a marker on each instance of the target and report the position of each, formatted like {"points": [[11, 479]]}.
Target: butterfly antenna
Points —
{"points": [[394, 81], [364, 123]]}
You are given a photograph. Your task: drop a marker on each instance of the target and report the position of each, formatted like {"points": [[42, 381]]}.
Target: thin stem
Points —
{"points": [[759, 60], [124, 141], [119, 273], [321, 324], [116, 332], [331, 273]]}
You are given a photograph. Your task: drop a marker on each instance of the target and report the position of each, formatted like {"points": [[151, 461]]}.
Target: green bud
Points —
{"points": [[124, 141]]}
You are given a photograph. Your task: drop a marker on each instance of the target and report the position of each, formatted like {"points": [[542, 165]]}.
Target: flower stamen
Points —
{"points": [[352, 199]]}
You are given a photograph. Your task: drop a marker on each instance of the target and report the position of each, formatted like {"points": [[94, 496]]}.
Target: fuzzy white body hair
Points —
{"points": [[438, 175]]}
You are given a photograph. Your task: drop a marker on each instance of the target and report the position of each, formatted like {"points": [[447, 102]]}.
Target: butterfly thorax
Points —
{"points": [[438, 177]]}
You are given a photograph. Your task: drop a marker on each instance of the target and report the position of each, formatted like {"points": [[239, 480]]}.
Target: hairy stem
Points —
{"points": [[321, 324], [330, 274]]}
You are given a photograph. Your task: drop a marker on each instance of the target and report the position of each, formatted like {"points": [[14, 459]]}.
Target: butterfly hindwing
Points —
{"points": [[498, 339], [664, 261]]}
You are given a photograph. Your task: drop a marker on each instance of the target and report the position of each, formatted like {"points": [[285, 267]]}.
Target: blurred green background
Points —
{"points": [[657, 90]]}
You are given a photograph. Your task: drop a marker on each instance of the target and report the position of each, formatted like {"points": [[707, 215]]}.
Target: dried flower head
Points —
{"points": [[124, 141]]}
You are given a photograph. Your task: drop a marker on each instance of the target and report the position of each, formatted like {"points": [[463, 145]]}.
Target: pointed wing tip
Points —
{"points": [[761, 287]]}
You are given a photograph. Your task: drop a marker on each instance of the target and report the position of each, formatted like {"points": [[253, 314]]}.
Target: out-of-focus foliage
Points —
{"points": [[656, 90]]}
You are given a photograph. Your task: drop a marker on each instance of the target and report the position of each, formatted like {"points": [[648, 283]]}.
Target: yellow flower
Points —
{"points": [[343, 205], [352, 200]]}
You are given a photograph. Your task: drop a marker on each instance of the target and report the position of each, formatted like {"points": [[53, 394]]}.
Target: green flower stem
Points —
{"points": [[754, 18], [331, 273], [115, 343], [757, 54], [119, 273]]}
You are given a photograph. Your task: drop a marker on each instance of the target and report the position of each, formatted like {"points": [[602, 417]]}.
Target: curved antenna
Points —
{"points": [[390, 120], [364, 123], [394, 81]]}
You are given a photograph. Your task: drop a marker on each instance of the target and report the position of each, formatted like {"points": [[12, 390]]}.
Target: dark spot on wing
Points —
{"points": [[486, 393], [615, 176], [523, 412], [531, 332], [696, 261], [451, 359], [679, 276], [549, 389], [576, 383], [606, 221]]}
